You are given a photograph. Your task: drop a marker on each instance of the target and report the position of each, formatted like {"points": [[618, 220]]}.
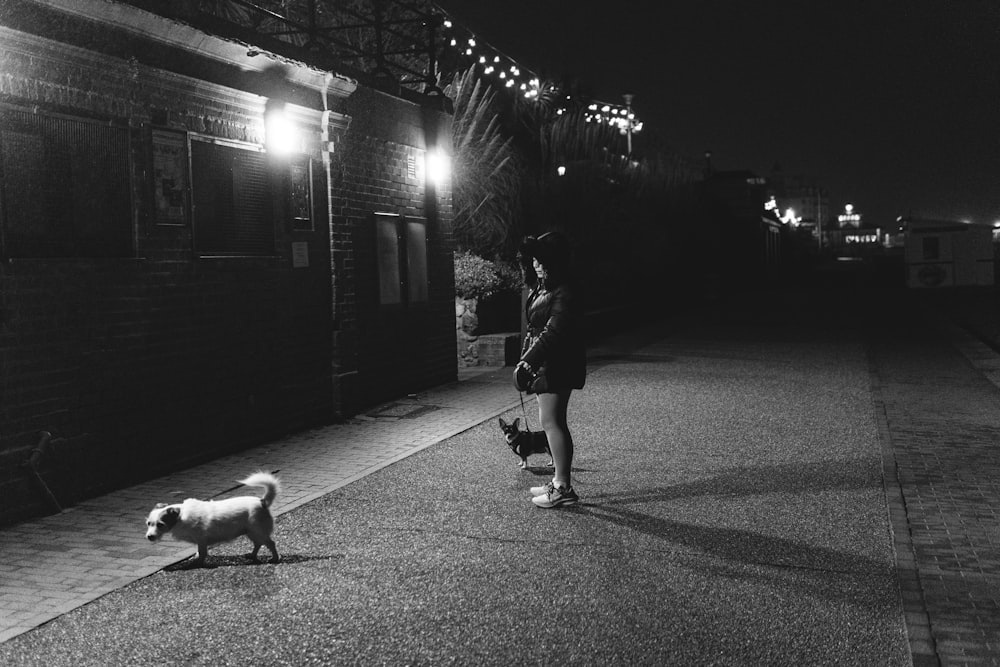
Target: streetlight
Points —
{"points": [[628, 122]]}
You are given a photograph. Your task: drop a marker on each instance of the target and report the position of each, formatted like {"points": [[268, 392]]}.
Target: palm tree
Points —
{"points": [[486, 190]]}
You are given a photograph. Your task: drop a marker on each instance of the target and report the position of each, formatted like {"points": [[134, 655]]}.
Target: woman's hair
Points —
{"points": [[552, 251]]}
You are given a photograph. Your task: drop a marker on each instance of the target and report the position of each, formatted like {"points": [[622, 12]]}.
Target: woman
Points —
{"points": [[553, 362]]}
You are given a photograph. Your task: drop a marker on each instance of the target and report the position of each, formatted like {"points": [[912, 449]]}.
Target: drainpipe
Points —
{"points": [[326, 147], [325, 144]]}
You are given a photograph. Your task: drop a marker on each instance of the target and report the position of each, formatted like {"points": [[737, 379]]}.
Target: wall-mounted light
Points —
{"points": [[561, 170], [281, 136], [438, 166]]}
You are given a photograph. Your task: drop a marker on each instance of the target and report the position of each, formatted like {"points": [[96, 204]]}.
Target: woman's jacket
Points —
{"points": [[554, 346]]}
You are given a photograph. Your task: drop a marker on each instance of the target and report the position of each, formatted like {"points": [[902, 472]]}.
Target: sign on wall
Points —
{"points": [[170, 177]]}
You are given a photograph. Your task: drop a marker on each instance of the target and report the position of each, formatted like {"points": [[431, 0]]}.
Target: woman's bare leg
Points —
{"points": [[552, 411]]}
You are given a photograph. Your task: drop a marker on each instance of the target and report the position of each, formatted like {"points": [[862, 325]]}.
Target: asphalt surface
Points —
{"points": [[733, 512]]}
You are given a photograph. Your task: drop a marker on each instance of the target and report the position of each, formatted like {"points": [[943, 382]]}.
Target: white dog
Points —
{"points": [[214, 521]]}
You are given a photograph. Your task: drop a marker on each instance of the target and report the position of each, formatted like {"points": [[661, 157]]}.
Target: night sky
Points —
{"points": [[892, 105]]}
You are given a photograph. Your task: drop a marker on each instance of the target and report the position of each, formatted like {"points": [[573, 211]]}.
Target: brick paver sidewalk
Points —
{"points": [[52, 565], [939, 426]]}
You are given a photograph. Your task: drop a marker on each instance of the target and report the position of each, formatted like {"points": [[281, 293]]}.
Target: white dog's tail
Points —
{"points": [[270, 483]]}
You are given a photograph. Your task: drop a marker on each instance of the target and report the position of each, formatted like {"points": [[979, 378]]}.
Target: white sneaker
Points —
{"points": [[559, 495], [541, 490]]}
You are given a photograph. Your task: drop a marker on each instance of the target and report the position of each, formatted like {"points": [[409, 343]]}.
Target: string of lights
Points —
{"points": [[507, 73]]}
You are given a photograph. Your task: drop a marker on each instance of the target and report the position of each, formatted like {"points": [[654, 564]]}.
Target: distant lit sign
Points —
{"points": [[849, 217]]}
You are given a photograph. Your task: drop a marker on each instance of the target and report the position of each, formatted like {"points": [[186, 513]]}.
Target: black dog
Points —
{"points": [[525, 443]]}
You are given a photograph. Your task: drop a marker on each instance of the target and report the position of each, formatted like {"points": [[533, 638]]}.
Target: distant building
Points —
{"points": [[947, 253], [797, 198], [851, 234]]}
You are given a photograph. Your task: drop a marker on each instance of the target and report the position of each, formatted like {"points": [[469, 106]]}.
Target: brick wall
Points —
{"points": [[385, 352], [145, 364]]}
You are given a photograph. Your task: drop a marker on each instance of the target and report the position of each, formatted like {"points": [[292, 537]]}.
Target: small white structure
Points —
{"points": [[946, 253]]}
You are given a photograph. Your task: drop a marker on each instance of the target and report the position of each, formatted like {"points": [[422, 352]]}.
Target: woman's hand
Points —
{"points": [[524, 375]]}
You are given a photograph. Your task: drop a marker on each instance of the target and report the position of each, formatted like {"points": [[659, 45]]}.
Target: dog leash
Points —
{"points": [[527, 427]]}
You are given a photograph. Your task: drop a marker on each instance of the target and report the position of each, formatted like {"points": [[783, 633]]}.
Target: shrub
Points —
{"points": [[479, 278]]}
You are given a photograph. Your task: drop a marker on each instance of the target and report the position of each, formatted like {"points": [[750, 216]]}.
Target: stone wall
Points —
{"points": [[475, 349]]}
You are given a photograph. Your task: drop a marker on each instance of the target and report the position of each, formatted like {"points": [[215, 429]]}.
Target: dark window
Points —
{"points": [[232, 207], [931, 247], [390, 284], [300, 194], [402, 259], [416, 260], [64, 187]]}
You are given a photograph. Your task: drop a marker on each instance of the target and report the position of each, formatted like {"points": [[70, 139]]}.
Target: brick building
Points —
{"points": [[174, 283]]}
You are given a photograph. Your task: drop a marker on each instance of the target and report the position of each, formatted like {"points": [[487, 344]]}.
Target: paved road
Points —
{"points": [[777, 483]]}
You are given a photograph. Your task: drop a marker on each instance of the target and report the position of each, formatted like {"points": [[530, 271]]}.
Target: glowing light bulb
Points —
{"points": [[281, 135], [438, 167]]}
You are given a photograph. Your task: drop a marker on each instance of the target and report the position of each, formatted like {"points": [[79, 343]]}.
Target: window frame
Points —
{"points": [[120, 224], [267, 198], [396, 263], [299, 223]]}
